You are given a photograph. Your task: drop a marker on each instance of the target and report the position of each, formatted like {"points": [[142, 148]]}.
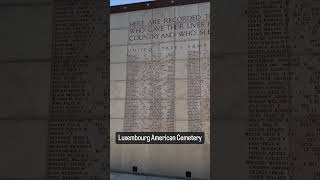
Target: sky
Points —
{"points": [[120, 2]]}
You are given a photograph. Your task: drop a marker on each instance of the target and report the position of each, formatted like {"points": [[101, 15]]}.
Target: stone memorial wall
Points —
{"points": [[25, 60], [159, 82], [54, 93], [267, 107], [78, 128]]}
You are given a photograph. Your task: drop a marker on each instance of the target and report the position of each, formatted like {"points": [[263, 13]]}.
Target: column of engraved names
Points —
{"points": [[268, 92], [205, 77], [149, 98], [76, 132], [150, 89], [194, 91], [305, 68], [205, 97], [198, 75], [65, 140], [162, 90]]}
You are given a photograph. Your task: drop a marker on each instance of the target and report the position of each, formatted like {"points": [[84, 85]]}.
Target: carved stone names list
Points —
{"points": [[78, 125]]}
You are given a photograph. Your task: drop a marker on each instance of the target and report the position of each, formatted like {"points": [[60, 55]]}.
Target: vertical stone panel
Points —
{"points": [[167, 87], [78, 145]]}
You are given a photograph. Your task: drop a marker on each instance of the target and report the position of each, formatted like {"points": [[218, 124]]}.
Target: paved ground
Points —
{"points": [[123, 176]]}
